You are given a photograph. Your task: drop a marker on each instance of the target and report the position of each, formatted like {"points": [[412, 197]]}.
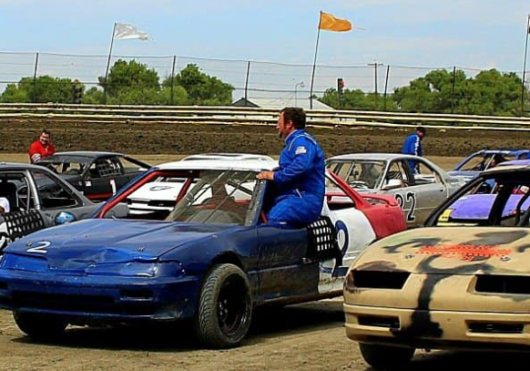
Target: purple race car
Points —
{"points": [[503, 191]]}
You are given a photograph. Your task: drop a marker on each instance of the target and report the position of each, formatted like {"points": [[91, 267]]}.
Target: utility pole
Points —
{"points": [[376, 65]]}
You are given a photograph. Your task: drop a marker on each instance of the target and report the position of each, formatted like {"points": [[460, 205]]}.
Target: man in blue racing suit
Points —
{"points": [[300, 180], [412, 146]]}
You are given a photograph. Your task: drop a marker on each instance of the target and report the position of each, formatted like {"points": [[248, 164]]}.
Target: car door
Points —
{"points": [[399, 182], [284, 271], [430, 191], [103, 179], [56, 200]]}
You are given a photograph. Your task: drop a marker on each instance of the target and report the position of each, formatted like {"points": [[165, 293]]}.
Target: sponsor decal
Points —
{"points": [[300, 150], [160, 188], [445, 215], [464, 252]]}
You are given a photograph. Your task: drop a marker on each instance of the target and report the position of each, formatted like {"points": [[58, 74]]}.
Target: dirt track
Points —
{"points": [[307, 337], [188, 139]]}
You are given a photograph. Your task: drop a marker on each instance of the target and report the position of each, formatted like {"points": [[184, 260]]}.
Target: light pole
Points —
{"points": [[376, 65], [300, 84]]}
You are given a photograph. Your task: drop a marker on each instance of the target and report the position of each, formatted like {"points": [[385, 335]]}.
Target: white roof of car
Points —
{"points": [[372, 156], [228, 156], [248, 165]]}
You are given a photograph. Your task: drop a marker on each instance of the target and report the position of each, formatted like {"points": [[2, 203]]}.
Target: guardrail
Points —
{"points": [[249, 116]]}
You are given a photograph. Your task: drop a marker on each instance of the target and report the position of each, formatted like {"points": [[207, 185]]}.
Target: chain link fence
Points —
{"points": [[250, 79]]}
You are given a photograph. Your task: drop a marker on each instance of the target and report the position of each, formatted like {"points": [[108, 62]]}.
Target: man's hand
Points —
{"points": [[265, 175]]}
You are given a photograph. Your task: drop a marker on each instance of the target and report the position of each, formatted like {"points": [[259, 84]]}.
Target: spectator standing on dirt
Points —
{"points": [[299, 181], [413, 146], [42, 147]]}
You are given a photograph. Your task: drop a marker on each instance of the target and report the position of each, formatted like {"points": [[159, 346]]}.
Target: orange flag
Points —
{"points": [[330, 23]]}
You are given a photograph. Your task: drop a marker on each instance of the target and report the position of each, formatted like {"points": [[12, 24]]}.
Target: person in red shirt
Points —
{"points": [[41, 147]]}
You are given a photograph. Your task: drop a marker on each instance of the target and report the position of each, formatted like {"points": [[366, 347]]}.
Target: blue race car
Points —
{"points": [[211, 260], [484, 159]]}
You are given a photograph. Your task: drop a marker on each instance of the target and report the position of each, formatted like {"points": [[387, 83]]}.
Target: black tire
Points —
{"points": [[40, 326], [383, 357], [224, 312]]}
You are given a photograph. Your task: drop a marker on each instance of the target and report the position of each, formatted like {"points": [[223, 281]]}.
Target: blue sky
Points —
{"points": [[477, 34]]}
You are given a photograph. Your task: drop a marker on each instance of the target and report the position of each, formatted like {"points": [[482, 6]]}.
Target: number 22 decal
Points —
{"points": [[409, 197], [40, 248]]}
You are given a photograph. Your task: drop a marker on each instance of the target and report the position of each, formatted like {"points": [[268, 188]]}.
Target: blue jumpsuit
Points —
{"points": [[412, 146], [300, 182]]}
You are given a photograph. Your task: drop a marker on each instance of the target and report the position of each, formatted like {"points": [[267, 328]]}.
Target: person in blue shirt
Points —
{"points": [[300, 179], [412, 146]]}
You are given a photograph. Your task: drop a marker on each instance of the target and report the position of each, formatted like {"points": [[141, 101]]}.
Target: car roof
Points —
{"points": [[19, 166], [91, 154], [510, 168], [372, 156], [228, 156], [249, 165], [524, 162], [502, 151]]}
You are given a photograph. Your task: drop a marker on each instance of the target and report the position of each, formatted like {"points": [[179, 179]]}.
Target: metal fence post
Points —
{"points": [[34, 97], [173, 78]]}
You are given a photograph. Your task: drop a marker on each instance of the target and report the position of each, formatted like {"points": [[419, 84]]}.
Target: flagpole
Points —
{"points": [[314, 65], [523, 88], [108, 64]]}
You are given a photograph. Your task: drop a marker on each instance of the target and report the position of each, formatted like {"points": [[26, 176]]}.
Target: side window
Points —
{"points": [[397, 170], [427, 175], [14, 188], [52, 193], [107, 167], [25, 197]]}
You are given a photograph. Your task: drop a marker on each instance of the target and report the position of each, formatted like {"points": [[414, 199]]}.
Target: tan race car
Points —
{"points": [[459, 283]]}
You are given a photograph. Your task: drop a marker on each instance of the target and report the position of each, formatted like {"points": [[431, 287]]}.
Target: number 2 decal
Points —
{"points": [[40, 248], [409, 197]]}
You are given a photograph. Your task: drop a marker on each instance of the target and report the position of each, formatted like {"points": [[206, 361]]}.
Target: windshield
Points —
{"points": [[359, 174], [501, 201], [218, 197], [485, 161], [66, 165]]}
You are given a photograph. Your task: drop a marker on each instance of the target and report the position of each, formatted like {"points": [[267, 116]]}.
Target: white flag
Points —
{"points": [[127, 31]]}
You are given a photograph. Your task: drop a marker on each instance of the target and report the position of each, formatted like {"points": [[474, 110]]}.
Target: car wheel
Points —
{"points": [[40, 326], [382, 357], [225, 307]]}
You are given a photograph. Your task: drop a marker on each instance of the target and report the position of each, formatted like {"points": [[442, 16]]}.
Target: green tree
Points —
{"points": [[202, 89], [180, 96], [489, 93], [356, 99], [43, 89], [124, 77], [12, 94], [93, 96]]}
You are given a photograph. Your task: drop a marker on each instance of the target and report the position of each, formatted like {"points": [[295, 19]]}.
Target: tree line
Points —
{"points": [[440, 91], [128, 82]]}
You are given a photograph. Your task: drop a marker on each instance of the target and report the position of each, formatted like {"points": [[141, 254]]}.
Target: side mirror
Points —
{"points": [[393, 184]]}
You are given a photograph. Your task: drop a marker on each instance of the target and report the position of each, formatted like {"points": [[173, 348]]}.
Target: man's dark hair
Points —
{"points": [[296, 115], [421, 129], [46, 131]]}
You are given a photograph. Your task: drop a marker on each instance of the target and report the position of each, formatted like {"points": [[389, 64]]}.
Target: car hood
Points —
{"points": [[450, 250], [110, 241]]}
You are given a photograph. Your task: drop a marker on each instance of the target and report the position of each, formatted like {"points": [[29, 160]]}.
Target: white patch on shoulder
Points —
{"points": [[300, 150]]}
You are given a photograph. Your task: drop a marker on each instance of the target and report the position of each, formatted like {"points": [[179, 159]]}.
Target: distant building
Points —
{"points": [[279, 103]]}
